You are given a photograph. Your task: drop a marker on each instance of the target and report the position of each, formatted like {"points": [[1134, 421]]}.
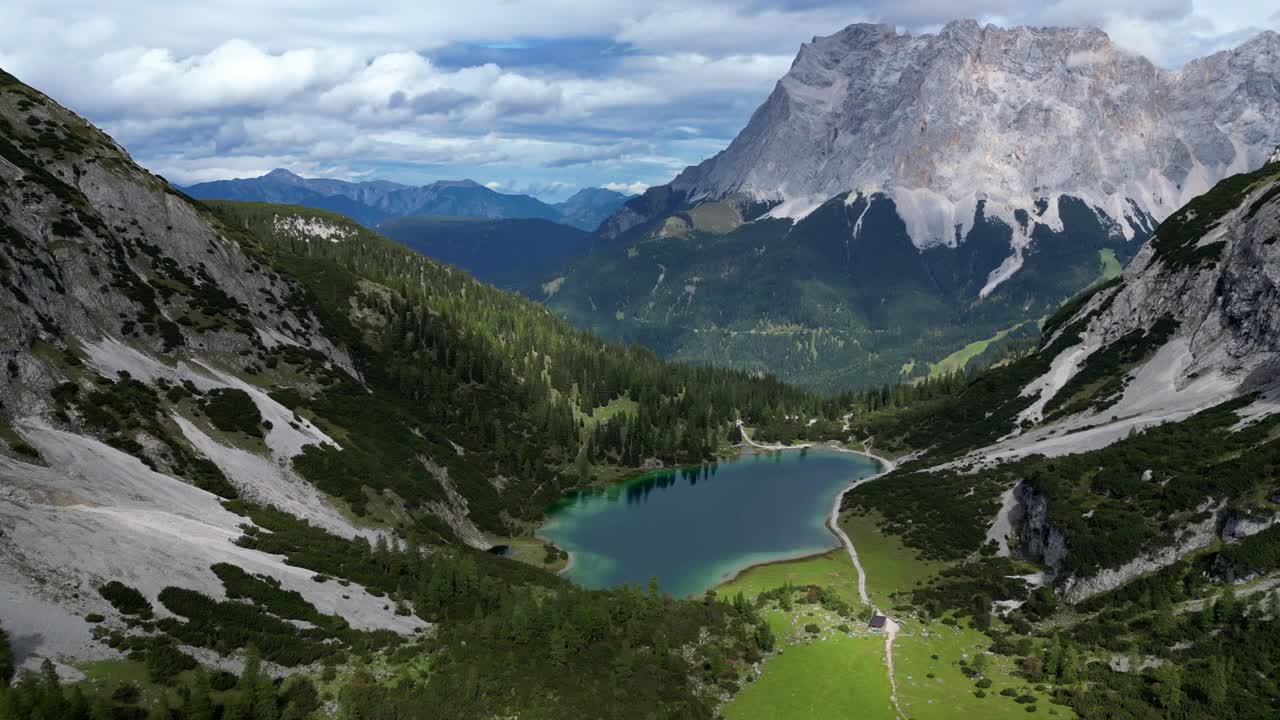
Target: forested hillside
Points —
{"points": [[520, 391], [840, 299], [1131, 462], [246, 442], [505, 253]]}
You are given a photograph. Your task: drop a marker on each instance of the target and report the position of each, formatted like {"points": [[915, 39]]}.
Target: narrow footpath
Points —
{"points": [[833, 522]]}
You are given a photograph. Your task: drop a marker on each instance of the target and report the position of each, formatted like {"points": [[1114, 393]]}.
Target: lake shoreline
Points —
{"points": [[833, 518], [749, 447]]}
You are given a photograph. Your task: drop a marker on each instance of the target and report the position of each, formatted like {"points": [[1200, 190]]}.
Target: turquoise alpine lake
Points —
{"points": [[694, 528]]}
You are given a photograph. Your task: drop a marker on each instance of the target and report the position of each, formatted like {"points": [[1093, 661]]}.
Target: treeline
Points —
{"points": [[201, 696], [455, 362], [510, 640], [904, 394], [514, 639]]}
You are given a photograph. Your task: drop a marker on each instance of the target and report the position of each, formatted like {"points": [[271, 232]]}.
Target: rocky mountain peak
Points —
{"points": [[280, 174], [941, 123]]}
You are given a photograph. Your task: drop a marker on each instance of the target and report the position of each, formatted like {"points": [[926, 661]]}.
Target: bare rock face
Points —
{"points": [[1227, 306], [108, 275], [1038, 538], [1013, 117]]}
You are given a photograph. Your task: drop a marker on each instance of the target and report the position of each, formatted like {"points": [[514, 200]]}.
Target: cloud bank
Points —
{"points": [[547, 95]]}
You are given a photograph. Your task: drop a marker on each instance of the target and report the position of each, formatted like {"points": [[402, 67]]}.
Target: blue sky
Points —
{"points": [[539, 96]]}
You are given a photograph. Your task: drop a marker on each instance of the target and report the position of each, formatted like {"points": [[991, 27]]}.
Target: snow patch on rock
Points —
{"points": [[941, 123]]}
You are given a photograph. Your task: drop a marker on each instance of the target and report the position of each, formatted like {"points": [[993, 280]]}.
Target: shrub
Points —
{"points": [[232, 410], [222, 681], [126, 600], [7, 667], [165, 662], [126, 694], [812, 629]]}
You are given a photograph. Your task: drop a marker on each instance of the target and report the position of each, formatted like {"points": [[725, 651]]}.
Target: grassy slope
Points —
{"points": [[1111, 265], [844, 676], [958, 359], [839, 677], [949, 694], [890, 565], [832, 569]]}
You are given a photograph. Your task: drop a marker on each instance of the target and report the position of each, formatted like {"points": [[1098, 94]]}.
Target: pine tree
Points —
{"points": [[78, 707], [764, 637], [101, 709], [7, 666], [1069, 672], [1215, 681], [238, 708], [53, 701], [1225, 610], [559, 647], [200, 707], [8, 705], [1169, 685]]}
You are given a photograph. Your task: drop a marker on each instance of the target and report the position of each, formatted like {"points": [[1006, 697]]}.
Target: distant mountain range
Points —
{"points": [[372, 202]]}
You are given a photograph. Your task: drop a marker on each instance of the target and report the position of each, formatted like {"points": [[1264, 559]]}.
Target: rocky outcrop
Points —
{"points": [[1043, 542], [1192, 537], [113, 284], [453, 508], [1235, 525], [1226, 303], [1038, 539]]}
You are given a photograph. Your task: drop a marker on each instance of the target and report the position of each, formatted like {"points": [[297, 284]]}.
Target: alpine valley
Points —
{"points": [[904, 204], [259, 462]]}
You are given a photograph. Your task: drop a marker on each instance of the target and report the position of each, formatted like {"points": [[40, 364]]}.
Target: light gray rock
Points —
{"points": [[940, 122], [98, 261], [1038, 539]]}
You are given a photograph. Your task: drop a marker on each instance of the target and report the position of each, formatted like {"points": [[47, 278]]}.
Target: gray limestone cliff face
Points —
{"points": [[106, 270], [95, 247], [1038, 539], [1228, 310], [940, 122], [1041, 541], [1235, 525]]}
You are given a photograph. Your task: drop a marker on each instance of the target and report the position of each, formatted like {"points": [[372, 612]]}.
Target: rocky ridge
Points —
{"points": [[1212, 272], [991, 120], [125, 310]]}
